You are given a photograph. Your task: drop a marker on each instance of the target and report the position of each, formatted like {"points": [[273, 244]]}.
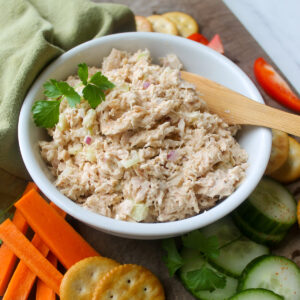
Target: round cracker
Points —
{"points": [[81, 279], [290, 170], [129, 282], [279, 152], [163, 25], [142, 24], [186, 25]]}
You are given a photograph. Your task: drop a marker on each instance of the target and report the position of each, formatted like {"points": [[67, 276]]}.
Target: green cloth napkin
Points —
{"points": [[32, 34]]}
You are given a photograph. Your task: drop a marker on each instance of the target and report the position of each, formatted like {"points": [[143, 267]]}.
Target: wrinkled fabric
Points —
{"points": [[33, 33]]}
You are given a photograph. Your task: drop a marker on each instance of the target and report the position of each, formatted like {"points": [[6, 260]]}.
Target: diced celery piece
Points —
{"points": [[131, 162], [62, 122], [91, 154], [139, 212], [89, 118], [75, 149]]}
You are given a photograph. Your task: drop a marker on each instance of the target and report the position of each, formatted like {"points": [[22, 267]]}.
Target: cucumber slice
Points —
{"points": [[235, 256], [193, 261], [258, 237], [270, 208], [224, 229], [275, 273], [260, 294]]}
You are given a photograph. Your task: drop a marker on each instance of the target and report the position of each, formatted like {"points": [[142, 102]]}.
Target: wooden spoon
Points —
{"points": [[235, 108]]}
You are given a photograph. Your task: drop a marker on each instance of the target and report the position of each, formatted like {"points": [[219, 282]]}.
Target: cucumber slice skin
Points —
{"points": [[236, 256], [258, 221], [224, 229], [259, 218], [194, 261], [274, 272], [236, 250], [260, 294], [258, 237]]}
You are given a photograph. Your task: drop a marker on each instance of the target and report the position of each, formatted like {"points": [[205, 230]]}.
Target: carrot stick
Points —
{"points": [[61, 238], [43, 292], [58, 210], [30, 185], [7, 261], [23, 278], [7, 257], [34, 260]]}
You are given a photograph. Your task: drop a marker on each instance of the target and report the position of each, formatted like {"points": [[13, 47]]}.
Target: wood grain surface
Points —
{"points": [[213, 17]]}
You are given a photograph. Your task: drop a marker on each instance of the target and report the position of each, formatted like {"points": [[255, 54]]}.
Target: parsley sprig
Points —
{"points": [[172, 259], [204, 278], [95, 87], [46, 112]]}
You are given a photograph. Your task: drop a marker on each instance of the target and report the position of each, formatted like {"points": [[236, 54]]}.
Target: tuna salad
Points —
{"points": [[151, 152]]}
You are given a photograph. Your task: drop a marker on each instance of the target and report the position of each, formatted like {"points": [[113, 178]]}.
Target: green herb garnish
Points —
{"points": [[56, 89], [46, 112], [172, 259], [204, 278], [83, 73], [208, 246]]}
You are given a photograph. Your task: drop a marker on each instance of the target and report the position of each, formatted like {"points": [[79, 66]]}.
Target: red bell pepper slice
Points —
{"points": [[216, 44], [198, 37], [274, 85]]}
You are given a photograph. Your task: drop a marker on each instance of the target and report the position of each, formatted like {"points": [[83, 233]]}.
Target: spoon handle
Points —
{"points": [[235, 108], [263, 115]]}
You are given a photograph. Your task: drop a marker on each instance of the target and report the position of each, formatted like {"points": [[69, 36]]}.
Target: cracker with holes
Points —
{"points": [[185, 24], [142, 24], [80, 280], [163, 25], [129, 282], [279, 152]]}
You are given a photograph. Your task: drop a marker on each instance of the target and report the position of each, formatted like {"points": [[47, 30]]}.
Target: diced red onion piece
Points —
{"points": [[88, 140], [146, 84], [171, 155]]}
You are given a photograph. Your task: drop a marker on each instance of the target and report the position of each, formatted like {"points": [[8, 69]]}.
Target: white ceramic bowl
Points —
{"points": [[197, 59]]}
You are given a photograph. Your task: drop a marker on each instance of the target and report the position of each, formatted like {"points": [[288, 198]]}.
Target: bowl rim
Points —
{"points": [[125, 228]]}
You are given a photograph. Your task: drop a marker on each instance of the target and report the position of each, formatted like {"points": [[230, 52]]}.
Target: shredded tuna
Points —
{"points": [[150, 152]]}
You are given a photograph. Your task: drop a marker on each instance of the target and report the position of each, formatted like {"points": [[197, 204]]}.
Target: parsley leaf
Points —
{"points": [[69, 92], [46, 113], [95, 87], [83, 73], [209, 246], [172, 259], [93, 94], [55, 89], [205, 279], [101, 81], [51, 89]]}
